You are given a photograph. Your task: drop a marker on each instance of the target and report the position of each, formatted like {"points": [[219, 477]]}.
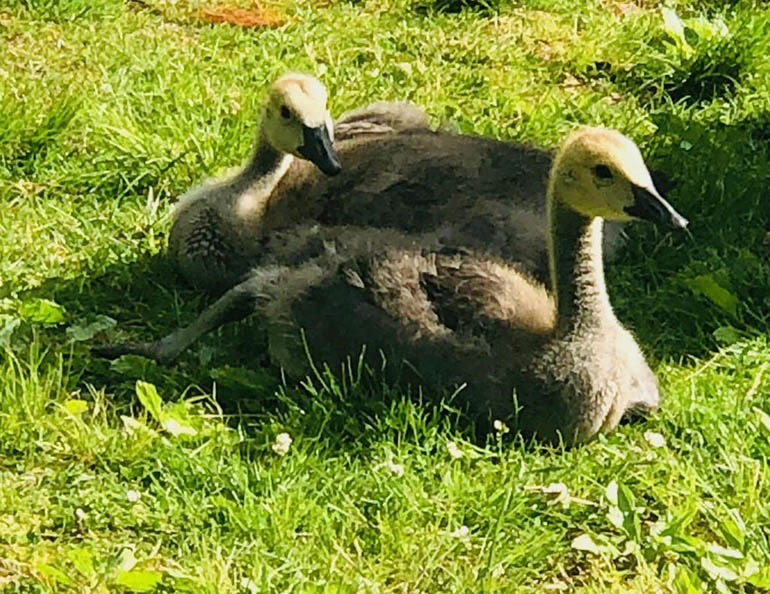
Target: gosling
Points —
{"points": [[214, 225], [557, 365]]}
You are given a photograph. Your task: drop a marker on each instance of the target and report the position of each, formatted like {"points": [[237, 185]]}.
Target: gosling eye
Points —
{"points": [[603, 172], [285, 112]]}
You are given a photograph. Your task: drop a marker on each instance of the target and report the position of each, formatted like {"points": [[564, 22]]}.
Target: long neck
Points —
{"points": [[258, 179], [577, 268]]}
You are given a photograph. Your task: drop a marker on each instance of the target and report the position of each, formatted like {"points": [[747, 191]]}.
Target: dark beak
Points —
{"points": [[650, 206], [318, 149]]}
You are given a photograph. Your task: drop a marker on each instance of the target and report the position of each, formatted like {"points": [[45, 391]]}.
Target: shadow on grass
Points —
{"points": [[692, 62], [687, 293], [148, 299]]}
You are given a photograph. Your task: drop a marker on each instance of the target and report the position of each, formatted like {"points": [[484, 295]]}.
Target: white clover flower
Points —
{"points": [[500, 427], [397, 469], [282, 444], [656, 440], [454, 451], [133, 496]]}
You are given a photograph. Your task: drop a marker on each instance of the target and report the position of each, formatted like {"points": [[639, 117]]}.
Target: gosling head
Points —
{"points": [[601, 173], [297, 122]]}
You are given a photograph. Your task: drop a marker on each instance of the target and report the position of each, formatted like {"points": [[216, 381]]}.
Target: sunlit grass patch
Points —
{"points": [[213, 475]]}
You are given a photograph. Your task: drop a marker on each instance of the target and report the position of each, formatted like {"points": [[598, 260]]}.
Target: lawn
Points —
{"points": [[126, 476]]}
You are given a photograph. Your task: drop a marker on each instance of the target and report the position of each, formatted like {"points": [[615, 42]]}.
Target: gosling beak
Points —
{"points": [[651, 206], [318, 149]]}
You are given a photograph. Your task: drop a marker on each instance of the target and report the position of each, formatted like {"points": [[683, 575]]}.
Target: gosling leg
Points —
{"points": [[236, 304], [268, 286]]}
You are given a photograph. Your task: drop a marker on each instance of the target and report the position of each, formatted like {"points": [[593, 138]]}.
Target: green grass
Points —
{"points": [[111, 109]]}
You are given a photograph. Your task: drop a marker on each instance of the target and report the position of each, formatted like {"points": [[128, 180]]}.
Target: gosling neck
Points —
{"points": [[259, 177], [577, 268]]}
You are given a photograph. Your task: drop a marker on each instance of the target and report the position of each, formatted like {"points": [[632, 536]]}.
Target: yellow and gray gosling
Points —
{"points": [[557, 364], [213, 226]]}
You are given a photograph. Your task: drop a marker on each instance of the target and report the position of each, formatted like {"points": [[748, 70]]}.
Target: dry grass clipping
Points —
{"points": [[243, 17]]}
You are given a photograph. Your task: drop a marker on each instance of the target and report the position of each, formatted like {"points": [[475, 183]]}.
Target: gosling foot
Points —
{"points": [[164, 351]]}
